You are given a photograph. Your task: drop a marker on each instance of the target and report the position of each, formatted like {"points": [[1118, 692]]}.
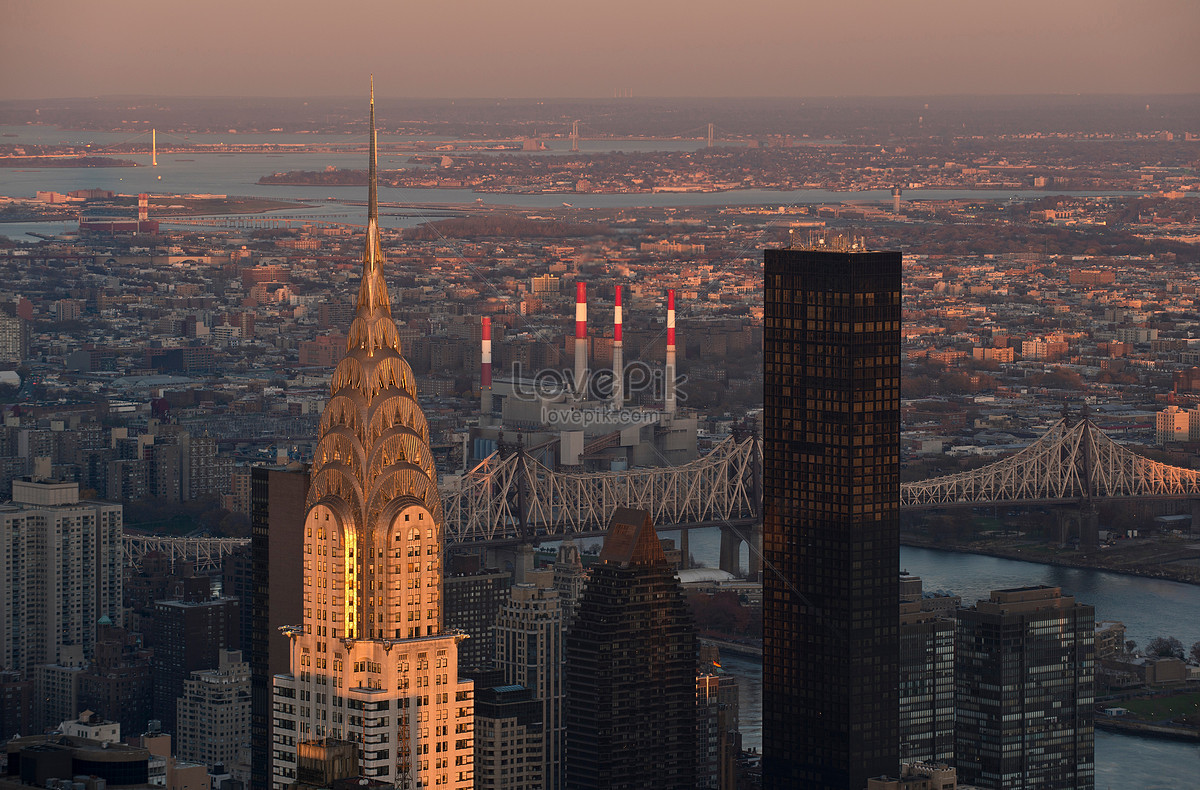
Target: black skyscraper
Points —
{"points": [[277, 597], [630, 670], [831, 504]]}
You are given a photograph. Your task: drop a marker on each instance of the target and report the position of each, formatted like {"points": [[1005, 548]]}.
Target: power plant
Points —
{"points": [[582, 418]]}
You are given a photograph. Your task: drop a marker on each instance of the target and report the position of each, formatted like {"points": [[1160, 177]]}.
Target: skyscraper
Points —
{"points": [[714, 719], [14, 334], [529, 653], [16, 702], [204, 471], [1025, 675], [213, 713], [831, 455], [569, 578], [189, 634], [630, 670], [926, 675], [369, 661], [56, 688], [508, 739], [277, 594], [473, 596], [61, 571], [118, 684], [237, 581]]}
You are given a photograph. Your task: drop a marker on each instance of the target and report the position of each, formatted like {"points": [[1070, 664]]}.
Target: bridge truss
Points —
{"points": [[1070, 463], [513, 497], [510, 497], [207, 554]]}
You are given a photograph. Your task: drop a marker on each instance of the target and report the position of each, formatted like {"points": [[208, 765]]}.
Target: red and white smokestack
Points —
{"points": [[618, 357], [485, 369], [580, 338], [669, 388], [143, 207]]}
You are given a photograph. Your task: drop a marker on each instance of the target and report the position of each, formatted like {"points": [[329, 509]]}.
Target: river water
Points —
{"points": [[237, 174], [1148, 607]]}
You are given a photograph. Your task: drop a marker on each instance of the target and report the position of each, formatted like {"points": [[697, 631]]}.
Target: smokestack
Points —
{"points": [[580, 338], [618, 357], [485, 370], [669, 389], [143, 207]]}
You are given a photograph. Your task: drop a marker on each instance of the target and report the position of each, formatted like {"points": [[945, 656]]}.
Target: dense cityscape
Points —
{"points": [[620, 442]]}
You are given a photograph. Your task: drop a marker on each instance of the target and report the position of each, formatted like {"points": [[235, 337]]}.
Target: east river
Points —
{"points": [[1147, 607]]}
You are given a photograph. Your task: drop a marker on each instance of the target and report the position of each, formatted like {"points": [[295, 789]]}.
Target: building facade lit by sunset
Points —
{"points": [[370, 663]]}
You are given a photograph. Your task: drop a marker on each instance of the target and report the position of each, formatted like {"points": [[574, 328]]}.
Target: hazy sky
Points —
{"points": [[576, 48]]}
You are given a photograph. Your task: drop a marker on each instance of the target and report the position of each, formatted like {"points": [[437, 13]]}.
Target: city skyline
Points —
{"points": [[189, 364], [617, 47]]}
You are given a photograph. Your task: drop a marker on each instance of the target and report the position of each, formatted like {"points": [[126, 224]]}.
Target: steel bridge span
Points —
{"points": [[510, 498], [1069, 463], [206, 553]]}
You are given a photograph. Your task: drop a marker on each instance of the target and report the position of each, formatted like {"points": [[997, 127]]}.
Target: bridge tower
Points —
{"points": [[711, 129], [516, 555], [731, 550], [1082, 519], [574, 136], [1089, 519], [732, 537]]}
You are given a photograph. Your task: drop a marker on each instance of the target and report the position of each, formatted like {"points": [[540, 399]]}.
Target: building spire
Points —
{"points": [[373, 200], [372, 294]]}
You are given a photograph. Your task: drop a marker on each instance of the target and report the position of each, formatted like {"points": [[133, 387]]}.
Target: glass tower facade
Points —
{"points": [[277, 498], [630, 670], [831, 454], [926, 685], [1025, 676]]}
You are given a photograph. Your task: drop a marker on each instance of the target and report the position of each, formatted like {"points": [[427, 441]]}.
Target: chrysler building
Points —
{"points": [[370, 664]]}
